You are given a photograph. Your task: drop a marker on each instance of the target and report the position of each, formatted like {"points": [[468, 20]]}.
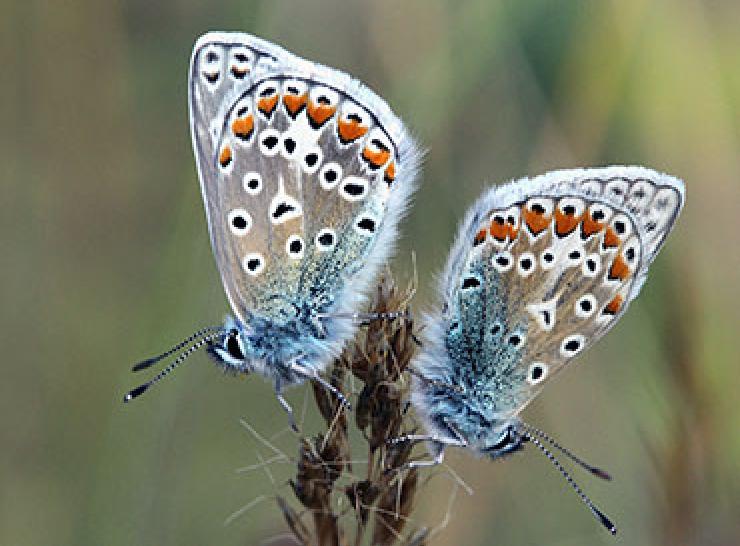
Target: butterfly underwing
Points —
{"points": [[540, 270], [305, 174]]}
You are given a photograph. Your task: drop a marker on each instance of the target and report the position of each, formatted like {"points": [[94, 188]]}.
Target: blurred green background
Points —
{"points": [[106, 260]]}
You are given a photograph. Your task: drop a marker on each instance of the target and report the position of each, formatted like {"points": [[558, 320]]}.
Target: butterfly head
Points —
{"points": [[229, 348]]}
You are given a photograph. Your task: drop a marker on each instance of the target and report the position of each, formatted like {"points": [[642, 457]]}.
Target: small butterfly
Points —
{"points": [[540, 270], [305, 174]]}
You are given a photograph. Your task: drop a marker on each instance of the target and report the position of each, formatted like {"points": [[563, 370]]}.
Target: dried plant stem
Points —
{"points": [[381, 501]]}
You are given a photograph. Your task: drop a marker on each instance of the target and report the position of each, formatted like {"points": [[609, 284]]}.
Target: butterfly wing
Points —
{"points": [[541, 269], [305, 174]]}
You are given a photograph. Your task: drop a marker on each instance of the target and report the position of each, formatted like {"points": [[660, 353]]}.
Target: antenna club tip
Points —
{"points": [[606, 522], [135, 392], [603, 474]]}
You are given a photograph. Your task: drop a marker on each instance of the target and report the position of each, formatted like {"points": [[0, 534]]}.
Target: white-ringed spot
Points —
{"points": [[572, 345], [240, 222], [536, 373], [353, 188], [326, 240], [269, 141], [311, 160], [252, 183], [330, 175], [591, 265], [526, 264], [502, 261], [585, 306], [253, 263], [294, 247]]}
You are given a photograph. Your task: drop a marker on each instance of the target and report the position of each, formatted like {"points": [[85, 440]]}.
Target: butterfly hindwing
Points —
{"points": [[305, 174], [543, 268]]}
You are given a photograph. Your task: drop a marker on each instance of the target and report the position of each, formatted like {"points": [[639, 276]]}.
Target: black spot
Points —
{"points": [[253, 184], [330, 175], [539, 209], [503, 261], [241, 57], [574, 255], [267, 92], [569, 210], [354, 117], [546, 317], [242, 111], [650, 226], [212, 78], [239, 222], [515, 340], [526, 264], [295, 246], [548, 257], [470, 282], [495, 329], [630, 254], [619, 227], [238, 74], [289, 144], [586, 306], [311, 159], [380, 145], [326, 239], [211, 57], [253, 264], [591, 265], [282, 208], [617, 191], [270, 142], [232, 347], [368, 224], [640, 193], [511, 220], [353, 189], [598, 215], [293, 90], [572, 346], [537, 373], [323, 99], [499, 220]]}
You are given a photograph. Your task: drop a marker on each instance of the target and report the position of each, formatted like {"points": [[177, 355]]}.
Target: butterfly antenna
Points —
{"points": [[151, 361], [605, 521], [603, 474], [179, 360]]}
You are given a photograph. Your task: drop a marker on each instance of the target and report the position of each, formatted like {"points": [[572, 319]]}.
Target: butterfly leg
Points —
{"points": [[311, 373], [436, 449], [286, 406]]}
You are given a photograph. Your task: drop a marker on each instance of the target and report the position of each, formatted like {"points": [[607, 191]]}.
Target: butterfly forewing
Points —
{"points": [[303, 173], [543, 268]]}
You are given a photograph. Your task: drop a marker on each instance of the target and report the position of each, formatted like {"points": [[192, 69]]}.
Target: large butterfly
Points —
{"points": [[541, 269], [305, 174]]}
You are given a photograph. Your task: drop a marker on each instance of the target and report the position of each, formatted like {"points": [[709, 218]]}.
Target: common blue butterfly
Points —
{"points": [[305, 174], [540, 270]]}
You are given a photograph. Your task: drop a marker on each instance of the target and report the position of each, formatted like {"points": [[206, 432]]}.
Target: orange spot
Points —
{"points": [[376, 159], [243, 127], [590, 226], [294, 103], [351, 130], [611, 239], [267, 104], [319, 113], [499, 229], [619, 269], [613, 307], [390, 173], [565, 223], [225, 158], [537, 222], [480, 236]]}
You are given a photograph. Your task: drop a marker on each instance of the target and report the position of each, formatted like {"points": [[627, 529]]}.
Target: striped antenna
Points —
{"points": [[598, 514], [179, 360], [151, 361]]}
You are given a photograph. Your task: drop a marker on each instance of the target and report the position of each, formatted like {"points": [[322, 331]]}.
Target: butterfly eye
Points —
{"points": [[233, 346]]}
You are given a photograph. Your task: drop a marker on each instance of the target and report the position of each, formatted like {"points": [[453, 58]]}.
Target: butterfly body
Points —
{"points": [[540, 270]]}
